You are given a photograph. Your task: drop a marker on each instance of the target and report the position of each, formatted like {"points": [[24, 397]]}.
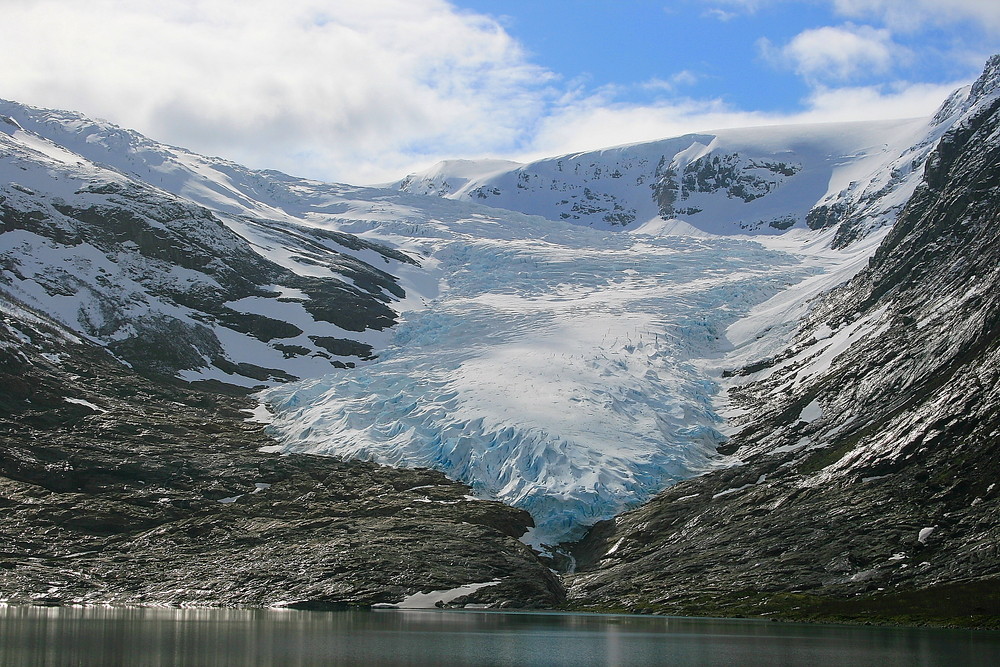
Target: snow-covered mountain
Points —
{"points": [[114, 241], [568, 370], [762, 180]]}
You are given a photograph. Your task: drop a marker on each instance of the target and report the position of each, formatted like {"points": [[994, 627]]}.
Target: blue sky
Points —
{"points": [[726, 50], [367, 92]]}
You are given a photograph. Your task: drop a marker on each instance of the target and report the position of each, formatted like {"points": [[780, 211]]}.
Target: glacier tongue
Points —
{"points": [[556, 369]]}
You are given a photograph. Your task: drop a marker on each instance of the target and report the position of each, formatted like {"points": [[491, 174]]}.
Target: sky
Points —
{"points": [[361, 93]]}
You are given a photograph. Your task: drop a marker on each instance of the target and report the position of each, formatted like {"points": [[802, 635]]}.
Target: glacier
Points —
{"points": [[556, 368], [573, 367]]}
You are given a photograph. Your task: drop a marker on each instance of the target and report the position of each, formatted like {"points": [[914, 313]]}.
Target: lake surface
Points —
{"points": [[35, 636]]}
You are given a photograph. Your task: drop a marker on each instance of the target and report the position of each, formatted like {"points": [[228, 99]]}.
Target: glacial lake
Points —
{"points": [[139, 637]]}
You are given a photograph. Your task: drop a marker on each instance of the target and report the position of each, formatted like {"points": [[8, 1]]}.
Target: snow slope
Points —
{"points": [[758, 181]]}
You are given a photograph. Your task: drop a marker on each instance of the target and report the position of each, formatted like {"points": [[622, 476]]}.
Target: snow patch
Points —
{"points": [[86, 404], [434, 599], [259, 415], [614, 548], [811, 412]]}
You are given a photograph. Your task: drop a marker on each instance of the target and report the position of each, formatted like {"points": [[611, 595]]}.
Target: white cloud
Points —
{"points": [[366, 92], [595, 123], [916, 14], [896, 14], [683, 78], [837, 53], [898, 100], [330, 88], [598, 123], [720, 14], [744, 5]]}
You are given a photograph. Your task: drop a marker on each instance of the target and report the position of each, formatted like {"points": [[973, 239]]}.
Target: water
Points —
{"points": [[33, 636]]}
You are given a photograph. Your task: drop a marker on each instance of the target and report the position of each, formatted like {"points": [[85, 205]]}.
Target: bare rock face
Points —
{"points": [[117, 489], [870, 459]]}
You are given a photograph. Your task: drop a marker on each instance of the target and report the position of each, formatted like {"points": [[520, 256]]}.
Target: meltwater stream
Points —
{"points": [[555, 368]]}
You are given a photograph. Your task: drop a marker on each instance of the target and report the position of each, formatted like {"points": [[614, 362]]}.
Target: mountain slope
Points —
{"points": [[571, 371], [758, 181], [869, 451], [170, 288], [116, 489]]}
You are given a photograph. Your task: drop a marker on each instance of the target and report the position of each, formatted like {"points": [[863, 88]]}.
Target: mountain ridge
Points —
{"points": [[762, 180]]}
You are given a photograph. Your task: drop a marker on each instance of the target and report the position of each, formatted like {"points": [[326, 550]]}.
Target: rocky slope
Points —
{"points": [[869, 458], [169, 286], [115, 489]]}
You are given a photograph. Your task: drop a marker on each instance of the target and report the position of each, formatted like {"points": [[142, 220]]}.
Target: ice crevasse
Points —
{"points": [[556, 369]]}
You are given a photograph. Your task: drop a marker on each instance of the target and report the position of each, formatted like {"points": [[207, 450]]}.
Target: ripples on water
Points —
{"points": [[138, 637]]}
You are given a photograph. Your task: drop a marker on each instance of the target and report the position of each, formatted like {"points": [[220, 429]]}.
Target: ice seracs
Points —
{"points": [[556, 370]]}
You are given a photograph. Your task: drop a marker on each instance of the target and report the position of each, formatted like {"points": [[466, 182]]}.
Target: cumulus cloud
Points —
{"points": [[836, 52], [328, 88], [366, 92]]}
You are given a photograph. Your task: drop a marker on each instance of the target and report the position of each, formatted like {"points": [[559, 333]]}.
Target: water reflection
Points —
{"points": [[141, 637]]}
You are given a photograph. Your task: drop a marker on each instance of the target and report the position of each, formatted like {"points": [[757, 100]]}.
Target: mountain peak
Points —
{"points": [[988, 82]]}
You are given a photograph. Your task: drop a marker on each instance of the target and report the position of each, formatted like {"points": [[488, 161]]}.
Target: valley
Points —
{"points": [[775, 348]]}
